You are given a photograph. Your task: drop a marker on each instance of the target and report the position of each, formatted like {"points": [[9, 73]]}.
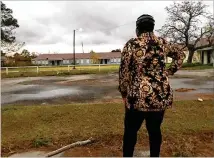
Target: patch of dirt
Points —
{"points": [[185, 89], [94, 151], [195, 144]]}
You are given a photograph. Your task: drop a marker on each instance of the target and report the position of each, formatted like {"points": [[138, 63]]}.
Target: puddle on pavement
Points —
{"points": [[36, 95], [190, 83], [18, 92]]}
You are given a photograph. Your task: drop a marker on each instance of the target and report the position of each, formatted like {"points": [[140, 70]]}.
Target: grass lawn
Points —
{"points": [[188, 125], [63, 70], [198, 67], [58, 71]]}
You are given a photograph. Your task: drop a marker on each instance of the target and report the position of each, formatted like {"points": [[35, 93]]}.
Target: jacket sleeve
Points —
{"points": [[177, 56], [124, 73]]}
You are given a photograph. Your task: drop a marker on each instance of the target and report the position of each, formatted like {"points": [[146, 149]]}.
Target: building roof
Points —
{"points": [[207, 48], [204, 42], [103, 55], [69, 56]]}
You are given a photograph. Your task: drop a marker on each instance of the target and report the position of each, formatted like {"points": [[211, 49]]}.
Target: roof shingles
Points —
{"points": [[69, 56]]}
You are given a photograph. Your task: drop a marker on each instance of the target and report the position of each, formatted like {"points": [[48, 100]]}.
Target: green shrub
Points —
{"points": [[191, 64], [38, 142]]}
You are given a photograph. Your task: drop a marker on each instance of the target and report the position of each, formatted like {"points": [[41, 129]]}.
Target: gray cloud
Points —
{"points": [[99, 20]]}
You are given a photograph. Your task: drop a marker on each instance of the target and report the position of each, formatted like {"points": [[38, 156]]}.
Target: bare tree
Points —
{"points": [[184, 26], [13, 47]]}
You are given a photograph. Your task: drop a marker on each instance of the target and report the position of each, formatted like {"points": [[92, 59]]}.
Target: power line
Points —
{"points": [[117, 26], [107, 29]]}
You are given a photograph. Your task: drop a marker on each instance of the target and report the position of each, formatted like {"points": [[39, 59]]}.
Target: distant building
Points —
{"points": [[206, 52], [205, 55], [80, 58]]}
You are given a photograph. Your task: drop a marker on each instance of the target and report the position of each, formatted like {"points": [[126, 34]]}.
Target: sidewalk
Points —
{"points": [[195, 73]]}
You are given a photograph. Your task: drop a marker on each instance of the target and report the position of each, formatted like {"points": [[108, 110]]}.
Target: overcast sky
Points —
{"points": [[47, 26]]}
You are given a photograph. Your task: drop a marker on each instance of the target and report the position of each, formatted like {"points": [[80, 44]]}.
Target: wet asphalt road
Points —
{"points": [[101, 86]]}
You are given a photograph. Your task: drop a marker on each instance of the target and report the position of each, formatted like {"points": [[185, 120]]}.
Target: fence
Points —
{"points": [[58, 69]]}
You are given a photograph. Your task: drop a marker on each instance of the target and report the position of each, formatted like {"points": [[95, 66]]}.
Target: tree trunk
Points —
{"points": [[191, 53]]}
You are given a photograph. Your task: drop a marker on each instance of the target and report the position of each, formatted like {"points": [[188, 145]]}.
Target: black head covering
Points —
{"points": [[144, 23]]}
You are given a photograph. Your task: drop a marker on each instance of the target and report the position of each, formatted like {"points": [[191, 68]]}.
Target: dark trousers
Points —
{"points": [[133, 122]]}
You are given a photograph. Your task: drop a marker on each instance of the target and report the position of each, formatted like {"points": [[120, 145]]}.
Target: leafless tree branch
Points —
{"points": [[182, 24]]}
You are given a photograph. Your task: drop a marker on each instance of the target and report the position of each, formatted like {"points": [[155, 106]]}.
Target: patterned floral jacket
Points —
{"points": [[143, 76]]}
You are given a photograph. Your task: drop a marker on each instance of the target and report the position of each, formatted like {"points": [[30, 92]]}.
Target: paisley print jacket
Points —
{"points": [[143, 76]]}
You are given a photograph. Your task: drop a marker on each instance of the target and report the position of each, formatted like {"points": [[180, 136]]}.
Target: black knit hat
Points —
{"points": [[144, 23], [145, 18]]}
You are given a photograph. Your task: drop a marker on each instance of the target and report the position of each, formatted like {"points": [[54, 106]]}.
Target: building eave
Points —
{"points": [[207, 48]]}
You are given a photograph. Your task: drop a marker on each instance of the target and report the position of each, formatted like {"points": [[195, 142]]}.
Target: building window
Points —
{"points": [[115, 61], [81, 61], [39, 62], [112, 60], [87, 61], [77, 61], [119, 60], [65, 61]]}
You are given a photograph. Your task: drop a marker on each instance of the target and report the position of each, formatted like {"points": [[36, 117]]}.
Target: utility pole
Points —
{"points": [[80, 29], [82, 48], [74, 62]]}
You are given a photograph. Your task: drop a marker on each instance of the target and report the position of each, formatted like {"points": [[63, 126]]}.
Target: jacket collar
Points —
{"points": [[147, 34]]}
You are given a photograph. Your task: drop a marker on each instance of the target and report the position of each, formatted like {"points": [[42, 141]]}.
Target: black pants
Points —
{"points": [[133, 122]]}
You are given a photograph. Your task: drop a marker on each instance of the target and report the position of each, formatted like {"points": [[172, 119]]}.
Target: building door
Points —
{"points": [[52, 63], [58, 62], [202, 57]]}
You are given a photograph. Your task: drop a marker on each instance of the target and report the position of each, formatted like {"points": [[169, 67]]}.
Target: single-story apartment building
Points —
{"points": [[80, 58], [205, 55], [206, 52]]}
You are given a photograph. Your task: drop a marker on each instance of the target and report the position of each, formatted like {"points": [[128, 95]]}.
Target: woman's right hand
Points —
{"points": [[126, 103]]}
